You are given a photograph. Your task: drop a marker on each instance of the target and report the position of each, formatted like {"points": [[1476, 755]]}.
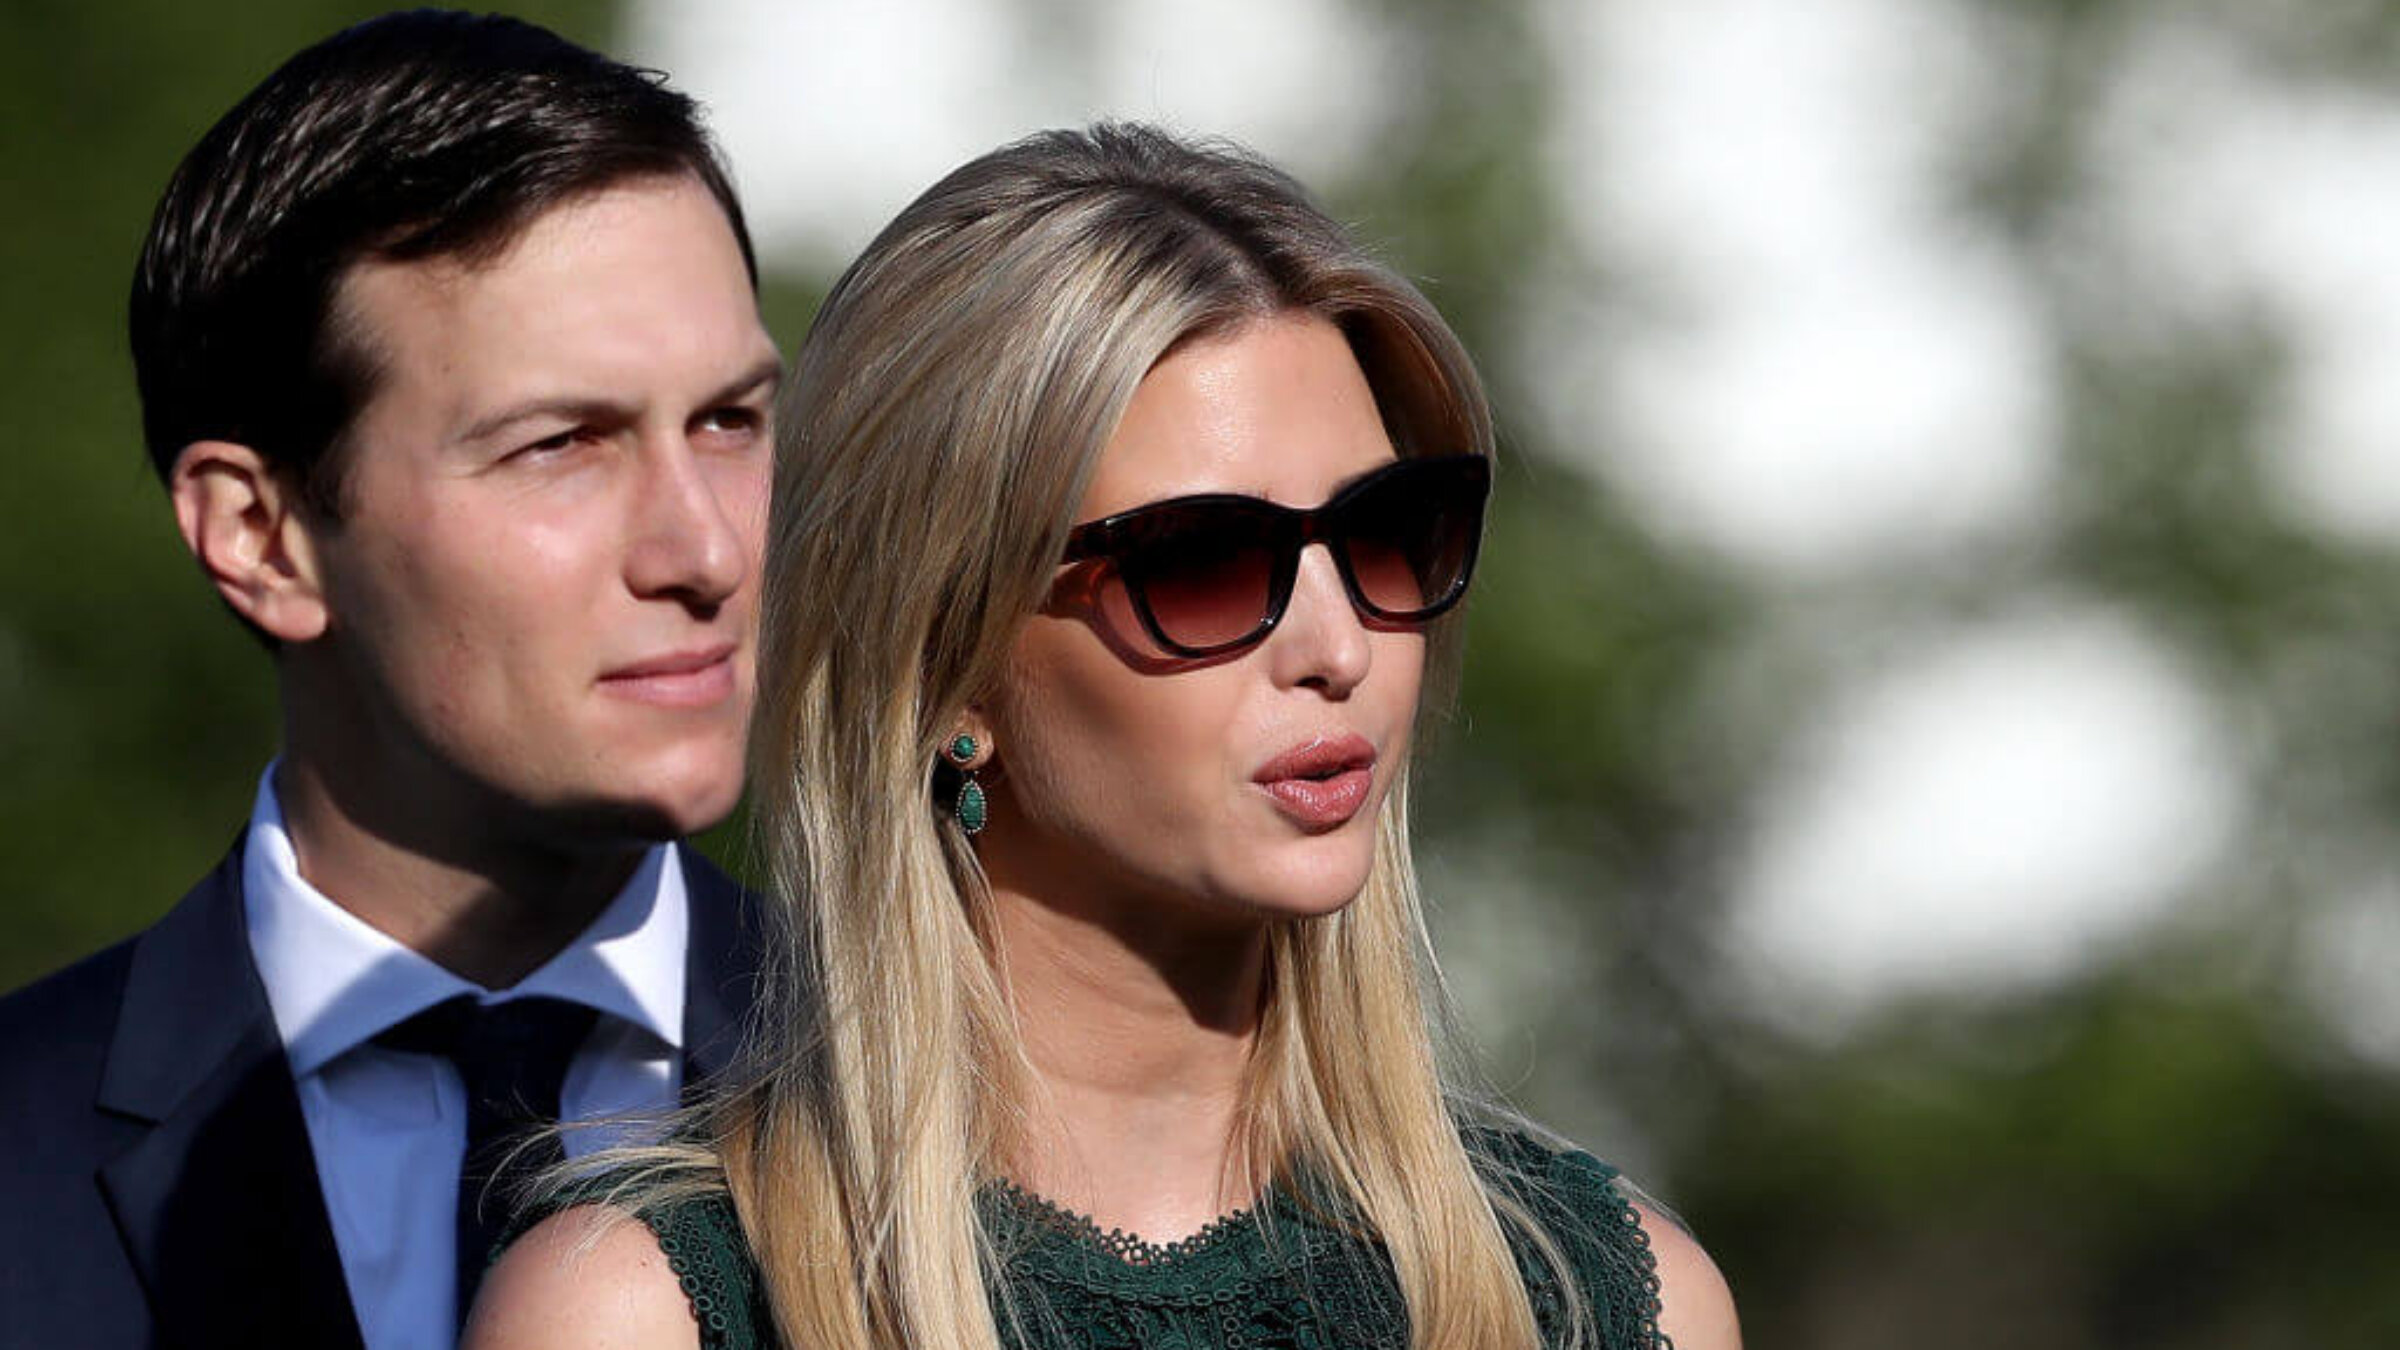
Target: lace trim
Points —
{"points": [[1646, 1263], [701, 1239], [1576, 1172], [1118, 1245], [1268, 1277]]}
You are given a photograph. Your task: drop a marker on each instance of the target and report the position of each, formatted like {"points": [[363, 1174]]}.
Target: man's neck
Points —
{"points": [[487, 912]]}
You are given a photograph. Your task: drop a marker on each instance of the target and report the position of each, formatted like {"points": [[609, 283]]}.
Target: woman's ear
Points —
{"points": [[241, 520]]}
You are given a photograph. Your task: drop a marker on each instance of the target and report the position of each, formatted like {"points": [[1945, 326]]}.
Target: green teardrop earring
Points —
{"points": [[971, 808]]}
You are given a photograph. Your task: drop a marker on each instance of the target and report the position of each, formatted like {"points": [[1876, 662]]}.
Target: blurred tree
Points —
{"points": [[2169, 1151]]}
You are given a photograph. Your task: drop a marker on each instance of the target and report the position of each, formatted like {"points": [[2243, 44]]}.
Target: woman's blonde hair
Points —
{"points": [[943, 418]]}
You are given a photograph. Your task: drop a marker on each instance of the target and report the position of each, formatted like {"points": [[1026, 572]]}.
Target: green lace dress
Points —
{"points": [[1274, 1277]]}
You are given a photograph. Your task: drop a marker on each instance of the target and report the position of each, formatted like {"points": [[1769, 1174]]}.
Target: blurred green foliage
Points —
{"points": [[2169, 1153]]}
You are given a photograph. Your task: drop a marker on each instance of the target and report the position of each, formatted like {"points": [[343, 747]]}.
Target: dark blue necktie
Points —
{"points": [[512, 1058]]}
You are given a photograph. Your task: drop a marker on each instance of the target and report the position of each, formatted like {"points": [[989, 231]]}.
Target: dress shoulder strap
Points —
{"points": [[703, 1242], [702, 1238], [1585, 1210]]}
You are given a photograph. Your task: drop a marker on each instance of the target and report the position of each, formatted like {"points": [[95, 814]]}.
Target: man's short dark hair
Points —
{"points": [[424, 134]]}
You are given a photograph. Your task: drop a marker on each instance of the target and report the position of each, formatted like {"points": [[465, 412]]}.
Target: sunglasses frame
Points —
{"points": [[1290, 531]]}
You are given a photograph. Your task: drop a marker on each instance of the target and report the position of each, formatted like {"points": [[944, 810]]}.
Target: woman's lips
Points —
{"points": [[694, 679], [1322, 784]]}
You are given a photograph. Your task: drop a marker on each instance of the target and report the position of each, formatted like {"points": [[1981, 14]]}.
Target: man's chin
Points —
{"points": [[602, 820], [660, 792]]}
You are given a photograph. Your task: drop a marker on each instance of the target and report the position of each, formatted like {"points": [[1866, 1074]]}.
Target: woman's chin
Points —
{"points": [[1307, 879]]}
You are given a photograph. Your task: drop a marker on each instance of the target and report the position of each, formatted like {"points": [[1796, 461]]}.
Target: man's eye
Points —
{"points": [[732, 420], [553, 443]]}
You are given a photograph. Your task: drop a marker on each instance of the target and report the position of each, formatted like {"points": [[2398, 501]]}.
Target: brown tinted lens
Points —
{"points": [[1207, 578], [1410, 539]]}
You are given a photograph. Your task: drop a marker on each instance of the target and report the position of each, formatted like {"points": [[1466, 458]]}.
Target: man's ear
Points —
{"points": [[241, 520]]}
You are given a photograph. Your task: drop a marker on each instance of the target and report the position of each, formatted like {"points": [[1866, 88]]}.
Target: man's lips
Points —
{"points": [[1322, 783], [695, 678]]}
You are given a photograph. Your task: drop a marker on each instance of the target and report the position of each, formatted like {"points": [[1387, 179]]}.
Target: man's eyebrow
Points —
{"points": [[766, 374], [573, 408], [762, 377]]}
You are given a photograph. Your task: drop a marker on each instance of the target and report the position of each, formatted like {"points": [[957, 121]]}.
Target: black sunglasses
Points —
{"points": [[1212, 573]]}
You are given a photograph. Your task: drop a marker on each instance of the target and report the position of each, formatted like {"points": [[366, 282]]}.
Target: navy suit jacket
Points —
{"points": [[156, 1182]]}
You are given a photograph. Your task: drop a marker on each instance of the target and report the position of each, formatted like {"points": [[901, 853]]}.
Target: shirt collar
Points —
{"points": [[333, 981]]}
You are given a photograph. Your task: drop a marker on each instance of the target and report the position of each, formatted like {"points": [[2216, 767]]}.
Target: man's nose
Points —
{"points": [[692, 527]]}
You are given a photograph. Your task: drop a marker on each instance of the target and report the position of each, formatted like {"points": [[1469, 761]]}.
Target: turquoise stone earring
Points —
{"points": [[971, 809]]}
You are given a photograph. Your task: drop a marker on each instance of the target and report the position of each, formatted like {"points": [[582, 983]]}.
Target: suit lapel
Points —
{"points": [[720, 968], [218, 1203]]}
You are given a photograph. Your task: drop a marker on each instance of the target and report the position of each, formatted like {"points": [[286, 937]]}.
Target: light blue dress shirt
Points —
{"points": [[388, 1127]]}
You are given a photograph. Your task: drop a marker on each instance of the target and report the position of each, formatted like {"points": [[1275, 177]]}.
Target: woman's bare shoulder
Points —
{"points": [[589, 1277], [1696, 1306]]}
